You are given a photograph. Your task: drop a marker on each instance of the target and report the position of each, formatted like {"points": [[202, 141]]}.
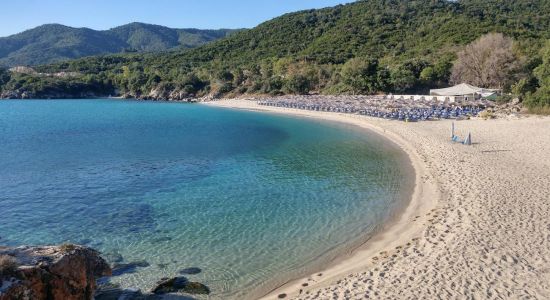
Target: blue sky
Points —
{"points": [[19, 15]]}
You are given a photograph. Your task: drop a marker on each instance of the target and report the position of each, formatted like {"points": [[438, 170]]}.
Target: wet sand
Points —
{"points": [[477, 225]]}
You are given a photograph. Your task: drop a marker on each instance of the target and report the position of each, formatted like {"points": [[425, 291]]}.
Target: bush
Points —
{"points": [[504, 99], [486, 114], [225, 88], [361, 75], [539, 101], [8, 265], [298, 84], [67, 247], [525, 86]]}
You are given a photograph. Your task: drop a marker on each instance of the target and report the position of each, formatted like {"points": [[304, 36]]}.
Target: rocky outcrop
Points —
{"points": [[163, 94], [157, 94], [512, 107], [24, 94], [52, 272]]}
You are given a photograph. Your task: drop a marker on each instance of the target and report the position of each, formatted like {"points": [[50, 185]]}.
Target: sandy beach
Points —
{"points": [[477, 225]]}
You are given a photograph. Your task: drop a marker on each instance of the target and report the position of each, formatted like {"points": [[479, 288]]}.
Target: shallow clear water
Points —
{"points": [[250, 198]]}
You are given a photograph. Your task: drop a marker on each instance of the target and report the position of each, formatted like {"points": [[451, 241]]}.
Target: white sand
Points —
{"points": [[478, 224]]}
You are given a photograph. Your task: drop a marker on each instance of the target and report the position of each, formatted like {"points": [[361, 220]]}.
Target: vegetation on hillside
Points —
{"points": [[488, 62], [366, 47], [53, 42], [537, 96]]}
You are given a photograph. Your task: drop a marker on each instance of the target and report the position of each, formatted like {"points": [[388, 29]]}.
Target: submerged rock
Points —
{"points": [[190, 271], [112, 291], [196, 288], [180, 285], [52, 272], [113, 257], [169, 285], [119, 294], [125, 268], [162, 266], [130, 219]]}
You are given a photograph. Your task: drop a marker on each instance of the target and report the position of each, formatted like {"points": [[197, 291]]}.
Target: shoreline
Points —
{"points": [[399, 228], [488, 236]]}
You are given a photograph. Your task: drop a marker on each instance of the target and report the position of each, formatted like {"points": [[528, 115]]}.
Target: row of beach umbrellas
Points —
{"points": [[378, 106]]}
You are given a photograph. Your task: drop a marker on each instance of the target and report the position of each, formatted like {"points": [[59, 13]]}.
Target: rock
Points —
{"points": [[107, 291], [181, 285], [196, 288], [131, 219], [119, 294], [111, 291], [53, 272], [169, 285], [190, 271], [120, 268]]}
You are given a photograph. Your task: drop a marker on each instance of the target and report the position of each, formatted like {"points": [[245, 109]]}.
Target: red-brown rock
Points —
{"points": [[65, 272]]}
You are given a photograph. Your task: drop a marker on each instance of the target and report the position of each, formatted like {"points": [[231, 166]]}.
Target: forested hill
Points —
{"points": [[370, 46], [385, 29], [53, 42]]}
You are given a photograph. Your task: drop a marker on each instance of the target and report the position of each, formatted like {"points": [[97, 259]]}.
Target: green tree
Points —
{"points": [[4, 78], [525, 86], [442, 68], [298, 84], [360, 75], [540, 99], [403, 79]]}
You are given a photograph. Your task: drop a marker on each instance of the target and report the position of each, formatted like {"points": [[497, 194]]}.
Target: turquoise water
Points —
{"points": [[253, 199]]}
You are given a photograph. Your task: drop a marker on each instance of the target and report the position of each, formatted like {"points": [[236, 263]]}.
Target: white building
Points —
{"points": [[464, 91]]}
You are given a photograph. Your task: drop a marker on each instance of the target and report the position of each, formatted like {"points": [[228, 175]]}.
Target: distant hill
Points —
{"points": [[368, 46], [54, 43]]}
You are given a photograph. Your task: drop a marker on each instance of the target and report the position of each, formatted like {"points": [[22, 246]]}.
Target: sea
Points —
{"points": [[249, 199]]}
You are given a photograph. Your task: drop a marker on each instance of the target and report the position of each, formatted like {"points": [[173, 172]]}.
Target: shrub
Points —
{"points": [[67, 247], [504, 99], [486, 114], [8, 264]]}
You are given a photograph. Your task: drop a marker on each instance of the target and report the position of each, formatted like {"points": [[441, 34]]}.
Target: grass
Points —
{"points": [[8, 265], [540, 110], [67, 247]]}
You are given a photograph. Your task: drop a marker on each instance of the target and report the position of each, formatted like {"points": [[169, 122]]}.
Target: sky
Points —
{"points": [[20, 15]]}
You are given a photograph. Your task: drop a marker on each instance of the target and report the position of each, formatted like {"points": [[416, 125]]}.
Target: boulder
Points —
{"points": [[180, 285], [65, 272], [169, 285], [125, 268], [195, 288]]}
